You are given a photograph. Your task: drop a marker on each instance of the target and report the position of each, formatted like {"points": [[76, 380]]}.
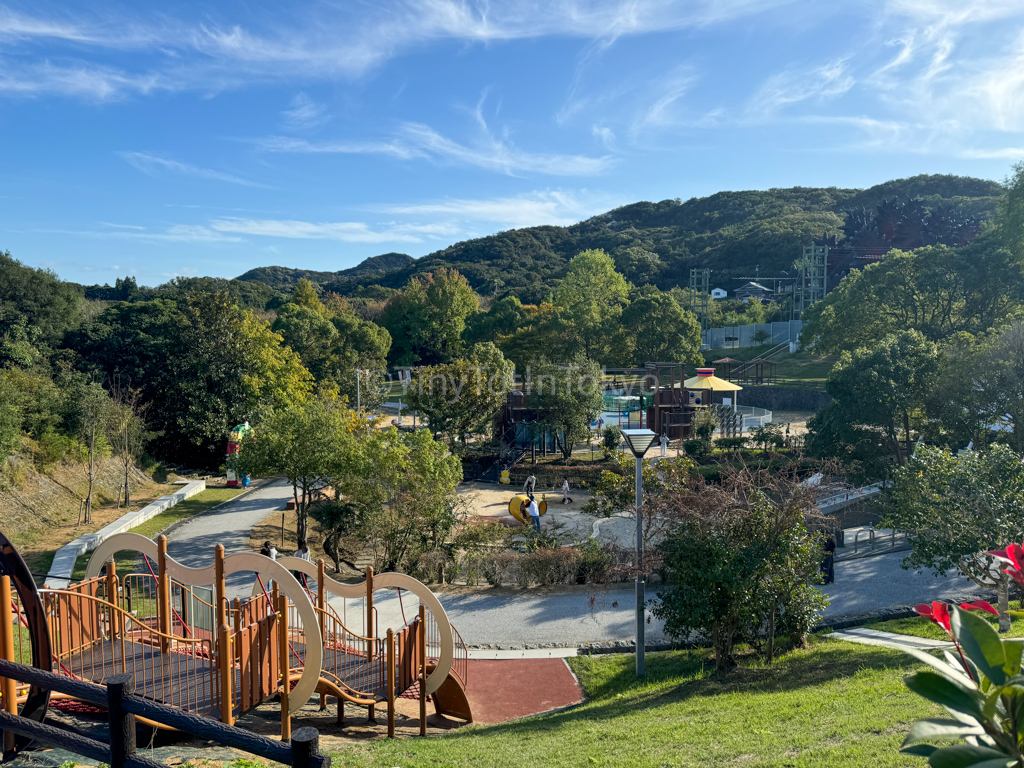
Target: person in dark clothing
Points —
{"points": [[828, 564]]}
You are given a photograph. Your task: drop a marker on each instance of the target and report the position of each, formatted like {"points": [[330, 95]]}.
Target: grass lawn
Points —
{"points": [[919, 626], [125, 561], [833, 704], [798, 370]]}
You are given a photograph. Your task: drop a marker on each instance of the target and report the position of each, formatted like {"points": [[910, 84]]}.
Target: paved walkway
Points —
{"points": [[889, 639], [567, 616]]}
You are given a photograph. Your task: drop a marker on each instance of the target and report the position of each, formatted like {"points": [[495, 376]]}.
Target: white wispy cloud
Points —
{"points": [[1006, 153], [795, 85], [304, 113], [489, 152], [533, 209], [177, 233], [346, 231], [154, 165], [330, 40]]}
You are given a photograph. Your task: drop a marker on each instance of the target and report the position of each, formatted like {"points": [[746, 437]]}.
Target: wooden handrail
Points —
{"points": [[44, 593], [123, 705]]}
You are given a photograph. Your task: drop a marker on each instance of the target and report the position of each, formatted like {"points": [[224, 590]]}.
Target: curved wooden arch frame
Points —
{"points": [[399, 581], [239, 562], [12, 564]]}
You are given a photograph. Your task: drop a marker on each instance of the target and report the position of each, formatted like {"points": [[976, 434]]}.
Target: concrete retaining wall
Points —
{"points": [[64, 561]]}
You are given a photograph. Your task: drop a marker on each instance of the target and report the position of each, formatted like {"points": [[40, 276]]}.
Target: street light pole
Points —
{"points": [[638, 441], [640, 586]]}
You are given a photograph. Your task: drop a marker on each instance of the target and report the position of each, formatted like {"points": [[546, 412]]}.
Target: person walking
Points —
{"points": [[303, 552], [530, 485], [664, 445], [828, 564], [534, 511], [269, 550], [566, 499]]}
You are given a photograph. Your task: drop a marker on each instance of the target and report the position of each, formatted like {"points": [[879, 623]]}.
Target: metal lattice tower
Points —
{"points": [[812, 282], [700, 295]]}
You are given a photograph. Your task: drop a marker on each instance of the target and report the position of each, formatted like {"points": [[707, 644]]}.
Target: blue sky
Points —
{"points": [[181, 139]]}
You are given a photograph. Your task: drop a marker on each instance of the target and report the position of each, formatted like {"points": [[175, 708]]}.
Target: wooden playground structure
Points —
{"points": [[174, 630]]}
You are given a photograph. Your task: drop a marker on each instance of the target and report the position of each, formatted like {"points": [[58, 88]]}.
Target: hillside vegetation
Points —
{"points": [[733, 233]]}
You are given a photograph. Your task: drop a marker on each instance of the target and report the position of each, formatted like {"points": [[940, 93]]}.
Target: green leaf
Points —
{"points": [[942, 690], [951, 668], [965, 756], [980, 643], [923, 750], [940, 728], [1013, 650]]}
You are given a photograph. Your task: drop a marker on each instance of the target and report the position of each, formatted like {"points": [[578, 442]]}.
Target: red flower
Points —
{"points": [[979, 605], [1013, 555], [937, 612]]}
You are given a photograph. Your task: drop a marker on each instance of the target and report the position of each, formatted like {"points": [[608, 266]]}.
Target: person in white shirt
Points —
{"points": [[565, 491], [664, 444], [534, 511], [268, 550], [530, 485], [303, 552]]}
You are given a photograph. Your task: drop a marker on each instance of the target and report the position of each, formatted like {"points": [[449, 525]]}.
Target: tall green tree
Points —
{"points": [[309, 442], [937, 290], [10, 421], [427, 319], [404, 488], [880, 391], [462, 395], [590, 300], [957, 508], [225, 367], [569, 396], [661, 330], [37, 302]]}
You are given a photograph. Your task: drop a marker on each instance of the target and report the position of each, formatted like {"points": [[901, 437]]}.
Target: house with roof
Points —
{"points": [[749, 291]]}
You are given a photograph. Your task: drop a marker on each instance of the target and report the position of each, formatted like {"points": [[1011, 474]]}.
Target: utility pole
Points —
{"points": [[359, 404]]}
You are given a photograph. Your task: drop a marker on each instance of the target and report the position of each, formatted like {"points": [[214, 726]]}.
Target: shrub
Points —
{"points": [[595, 562], [437, 565], [497, 567], [739, 561], [731, 444], [610, 438], [768, 436]]}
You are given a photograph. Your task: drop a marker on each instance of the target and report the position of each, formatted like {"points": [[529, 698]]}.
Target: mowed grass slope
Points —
{"points": [[832, 704]]}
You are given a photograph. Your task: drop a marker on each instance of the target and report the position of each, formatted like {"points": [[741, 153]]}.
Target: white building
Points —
{"points": [[718, 293]]}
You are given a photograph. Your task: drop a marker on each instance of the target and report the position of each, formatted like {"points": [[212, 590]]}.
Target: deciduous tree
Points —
{"points": [[957, 508]]}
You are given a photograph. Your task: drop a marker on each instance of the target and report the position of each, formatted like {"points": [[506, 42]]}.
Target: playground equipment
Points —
{"points": [[187, 645], [234, 445], [23, 638], [515, 508]]}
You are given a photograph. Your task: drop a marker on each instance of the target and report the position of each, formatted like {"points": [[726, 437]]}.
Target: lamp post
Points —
{"points": [[638, 441]]}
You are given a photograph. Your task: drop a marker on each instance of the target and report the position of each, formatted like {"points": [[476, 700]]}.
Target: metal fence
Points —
{"points": [[743, 335]]}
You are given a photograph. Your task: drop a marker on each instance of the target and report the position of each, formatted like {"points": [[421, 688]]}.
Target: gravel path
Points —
{"points": [[604, 615], [566, 616]]}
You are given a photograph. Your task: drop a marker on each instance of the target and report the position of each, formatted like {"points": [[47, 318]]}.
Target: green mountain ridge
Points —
{"points": [[735, 234]]}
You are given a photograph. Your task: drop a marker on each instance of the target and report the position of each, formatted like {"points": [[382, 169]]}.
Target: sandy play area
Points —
{"points": [[567, 522]]}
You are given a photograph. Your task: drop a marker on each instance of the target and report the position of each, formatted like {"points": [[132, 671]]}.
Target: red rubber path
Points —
{"points": [[500, 691]]}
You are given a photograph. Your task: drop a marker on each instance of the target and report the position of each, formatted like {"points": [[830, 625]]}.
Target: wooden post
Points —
{"points": [[306, 748], [421, 646], [7, 654], [220, 587], [369, 608], [112, 584], [163, 591], [286, 678], [368, 626], [282, 530], [321, 603], [391, 683], [122, 724], [227, 675]]}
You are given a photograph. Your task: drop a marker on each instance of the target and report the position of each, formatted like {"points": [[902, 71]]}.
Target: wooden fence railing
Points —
{"points": [[118, 696]]}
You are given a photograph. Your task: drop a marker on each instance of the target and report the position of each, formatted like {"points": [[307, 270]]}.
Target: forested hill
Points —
{"points": [[733, 233], [286, 277]]}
